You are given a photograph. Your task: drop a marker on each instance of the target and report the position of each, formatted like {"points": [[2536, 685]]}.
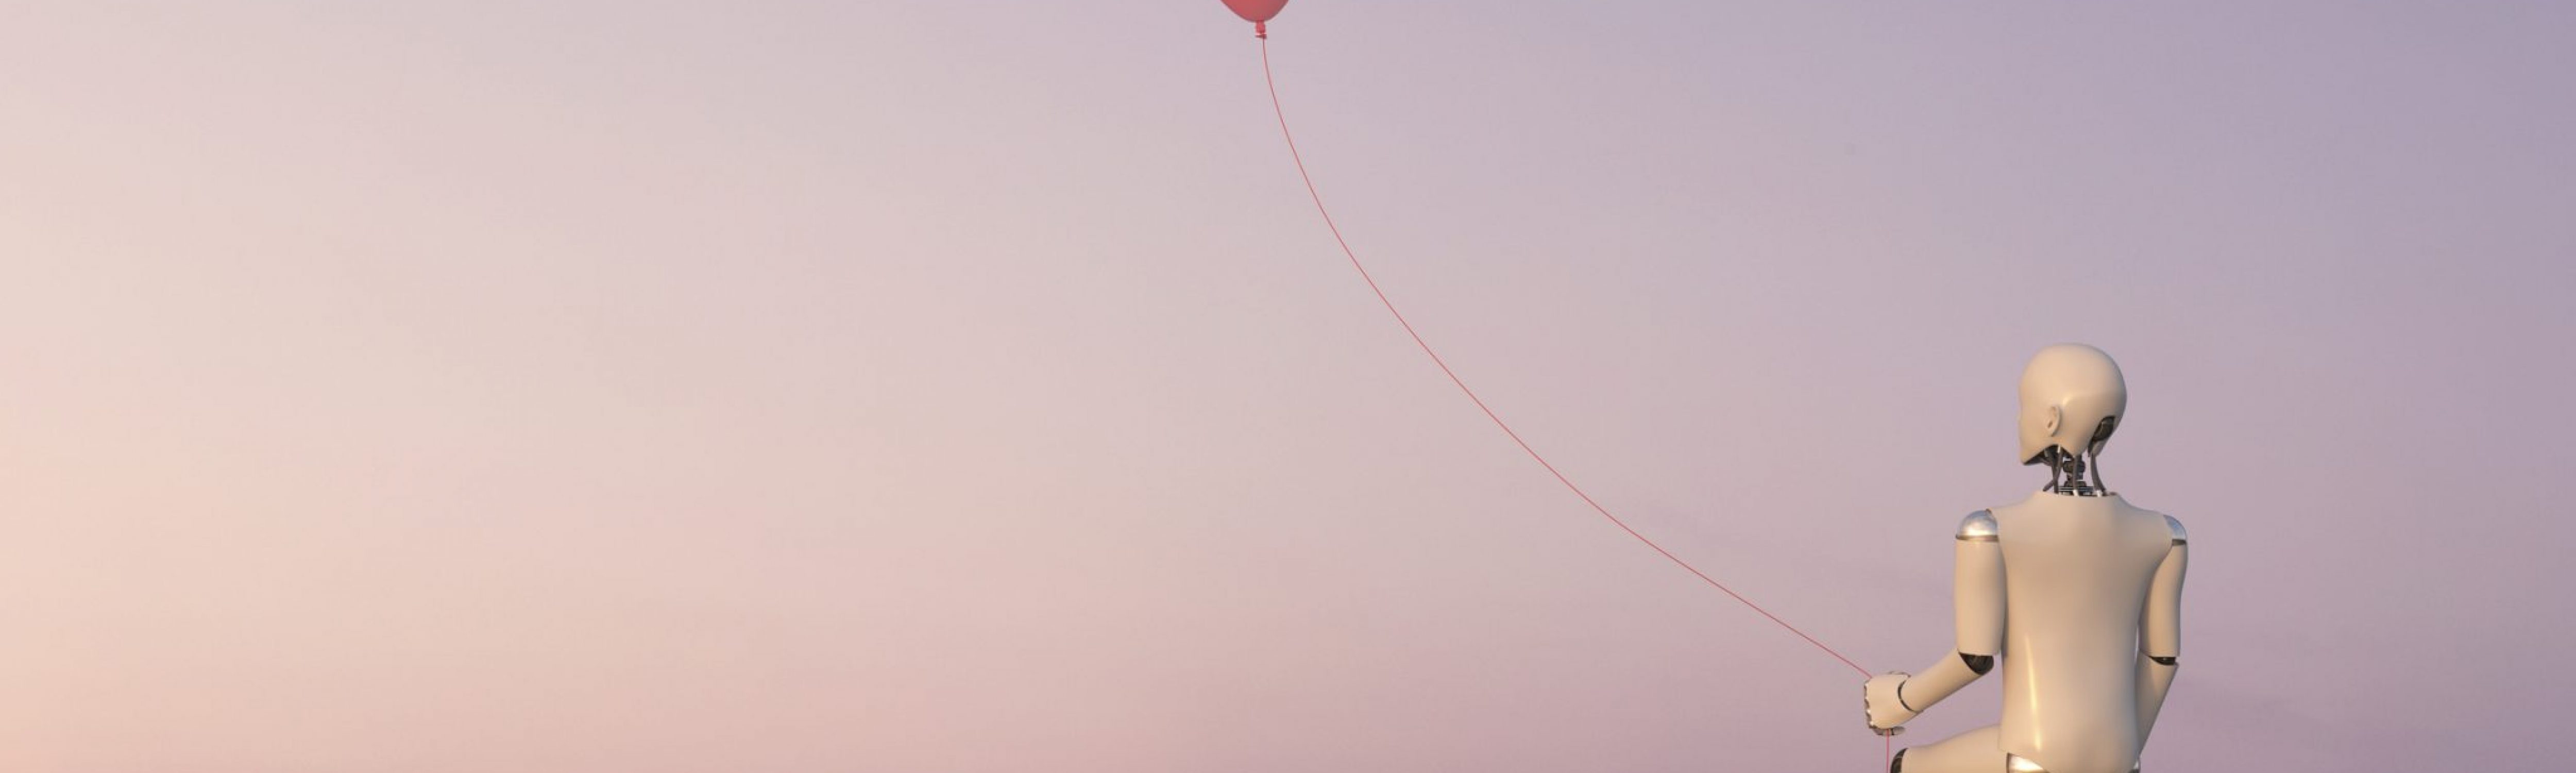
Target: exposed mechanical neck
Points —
{"points": [[2072, 474]]}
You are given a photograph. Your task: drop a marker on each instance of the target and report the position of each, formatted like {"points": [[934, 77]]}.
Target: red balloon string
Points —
{"points": [[1888, 743], [1354, 257]]}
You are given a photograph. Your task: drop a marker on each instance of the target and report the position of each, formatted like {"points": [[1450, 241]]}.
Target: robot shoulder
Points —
{"points": [[2179, 536], [1979, 526]]}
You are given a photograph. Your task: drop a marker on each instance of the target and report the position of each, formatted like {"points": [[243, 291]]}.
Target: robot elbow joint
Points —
{"points": [[1978, 663]]}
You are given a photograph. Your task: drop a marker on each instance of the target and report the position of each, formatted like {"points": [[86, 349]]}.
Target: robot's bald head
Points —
{"points": [[2071, 398]]}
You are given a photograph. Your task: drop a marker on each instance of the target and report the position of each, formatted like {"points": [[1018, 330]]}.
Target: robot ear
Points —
{"points": [[2102, 431], [2056, 415]]}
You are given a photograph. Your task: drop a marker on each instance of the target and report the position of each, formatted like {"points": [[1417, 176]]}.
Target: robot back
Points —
{"points": [[2077, 571]]}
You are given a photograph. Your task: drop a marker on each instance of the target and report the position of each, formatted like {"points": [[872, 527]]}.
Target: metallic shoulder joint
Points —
{"points": [[1979, 526], [2179, 537]]}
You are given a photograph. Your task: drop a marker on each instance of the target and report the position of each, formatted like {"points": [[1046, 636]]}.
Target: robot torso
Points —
{"points": [[2077, 571]]}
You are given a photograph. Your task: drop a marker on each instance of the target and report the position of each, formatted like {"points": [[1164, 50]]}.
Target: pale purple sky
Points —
{"points": [[967, 386]]}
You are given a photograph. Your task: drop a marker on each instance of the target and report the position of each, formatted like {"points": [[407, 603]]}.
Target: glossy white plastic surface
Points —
{"points": [[2066, 391], [2070, 594]]}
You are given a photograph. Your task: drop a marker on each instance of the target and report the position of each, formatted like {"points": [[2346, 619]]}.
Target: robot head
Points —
{"points": [[2071, 398]]}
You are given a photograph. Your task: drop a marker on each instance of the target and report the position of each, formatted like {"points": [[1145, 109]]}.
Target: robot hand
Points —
{"points": [[1885, 706]]}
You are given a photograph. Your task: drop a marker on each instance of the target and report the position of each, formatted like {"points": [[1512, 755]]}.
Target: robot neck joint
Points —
{"points": [[2068, 474]]}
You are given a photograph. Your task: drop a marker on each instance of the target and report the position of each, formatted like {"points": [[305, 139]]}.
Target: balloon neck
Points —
{"points": [[1261, 29]]}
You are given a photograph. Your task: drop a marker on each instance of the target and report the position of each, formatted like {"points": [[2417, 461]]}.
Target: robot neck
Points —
{"points": [[2067, 474]]}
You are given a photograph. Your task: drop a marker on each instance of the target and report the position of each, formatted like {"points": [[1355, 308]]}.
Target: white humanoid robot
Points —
{"points": [[2074, 592]]}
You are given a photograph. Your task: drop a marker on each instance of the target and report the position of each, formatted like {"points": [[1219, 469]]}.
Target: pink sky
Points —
{"points": [[939, 386]]}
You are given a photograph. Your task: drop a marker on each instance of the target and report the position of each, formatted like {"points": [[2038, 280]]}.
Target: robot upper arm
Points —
{"points": [[1978, 591], [2160, 629]]}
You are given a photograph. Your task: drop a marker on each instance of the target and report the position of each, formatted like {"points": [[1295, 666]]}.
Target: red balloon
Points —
{"points": [[1256, 11]]}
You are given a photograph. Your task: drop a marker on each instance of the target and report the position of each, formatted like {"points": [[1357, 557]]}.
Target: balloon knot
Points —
{"points": [[1261, 29]]}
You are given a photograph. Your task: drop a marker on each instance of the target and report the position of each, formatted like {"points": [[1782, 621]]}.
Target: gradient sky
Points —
{"points": [[926, 386]]}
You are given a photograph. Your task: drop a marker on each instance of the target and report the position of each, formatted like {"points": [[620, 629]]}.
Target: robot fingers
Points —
{"points": [[1883, 703]]}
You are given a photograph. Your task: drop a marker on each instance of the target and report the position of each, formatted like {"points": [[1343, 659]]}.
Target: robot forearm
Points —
{"points": [[2155, 679], [1940, 681]]}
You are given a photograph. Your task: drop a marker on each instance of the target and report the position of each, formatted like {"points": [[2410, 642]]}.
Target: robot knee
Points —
{"points": [[2015, 764]]}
